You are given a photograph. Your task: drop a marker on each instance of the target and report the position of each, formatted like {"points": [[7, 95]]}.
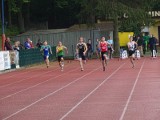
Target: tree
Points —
{"points": [[114, 10], [16, 7]]}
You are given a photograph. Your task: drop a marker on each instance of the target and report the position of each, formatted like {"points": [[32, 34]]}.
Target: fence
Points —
{"points": [[32, 56], [69, 39]]}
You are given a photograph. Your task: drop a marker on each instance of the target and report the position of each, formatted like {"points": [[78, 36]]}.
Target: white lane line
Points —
{"points": [[49, 95], [24, 79], [23, 72], [105, 80], [28, 78], [37, 84], [131, 93]]}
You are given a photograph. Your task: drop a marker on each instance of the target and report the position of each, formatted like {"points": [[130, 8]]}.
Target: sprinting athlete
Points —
{"points": [[103, 47], [81, 50], [60, 54], [131, 47], [46, 50]]}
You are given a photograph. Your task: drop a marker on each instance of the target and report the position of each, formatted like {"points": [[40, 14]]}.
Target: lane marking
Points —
{"points": [[37, 84], [105, 80], [49, 95], [23, 71], [131, 93], [28, 78]]}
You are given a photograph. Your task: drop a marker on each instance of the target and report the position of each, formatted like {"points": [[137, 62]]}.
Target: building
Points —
{"points": [[155, 29]]}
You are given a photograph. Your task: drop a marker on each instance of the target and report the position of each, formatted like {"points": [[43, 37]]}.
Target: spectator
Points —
{"points": [[8, 44], [146, 42], [140, 45], [31, 44], [89, 51], [16, 46], [98, 51], [39, 43], [21, 46], [110, 47], [152, 44], [16, 56], [27, 44]]}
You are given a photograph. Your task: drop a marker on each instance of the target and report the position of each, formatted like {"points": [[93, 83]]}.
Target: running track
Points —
{"points": [[119, 93]]}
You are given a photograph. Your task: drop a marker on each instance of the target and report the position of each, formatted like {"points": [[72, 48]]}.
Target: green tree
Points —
{"points": [[16, 7], [114, 10]]}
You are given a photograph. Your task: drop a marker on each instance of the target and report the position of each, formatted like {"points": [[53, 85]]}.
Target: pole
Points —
{"points": [[3, 34]]}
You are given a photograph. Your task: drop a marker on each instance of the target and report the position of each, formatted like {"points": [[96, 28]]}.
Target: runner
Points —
{"points": [[131, 47], [60, 54], [81, 50], [103, 47], [46, 49]]}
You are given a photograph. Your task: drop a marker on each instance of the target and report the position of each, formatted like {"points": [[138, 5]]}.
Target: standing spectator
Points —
{"points": [[31, 44], [152, 44], [98, 50], [39, 44], [8, 44], [16, 49], [27, 44], [110, 47], [146, 41], [16, 46], [140, 45], [21, 46], [89, 51]]}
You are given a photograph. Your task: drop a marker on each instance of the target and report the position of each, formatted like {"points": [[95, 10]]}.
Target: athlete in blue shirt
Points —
{"points": [[46, 50]]}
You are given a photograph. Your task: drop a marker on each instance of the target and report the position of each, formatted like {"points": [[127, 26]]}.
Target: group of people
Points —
{"points": [[146, 42], [104, 49], [82, 49], [28, 44]]}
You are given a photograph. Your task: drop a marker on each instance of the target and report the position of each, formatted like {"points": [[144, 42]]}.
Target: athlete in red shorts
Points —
{"points": [[103, 47]]}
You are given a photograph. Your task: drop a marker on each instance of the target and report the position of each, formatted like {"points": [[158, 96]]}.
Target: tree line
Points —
{"points": [[64, 13]]}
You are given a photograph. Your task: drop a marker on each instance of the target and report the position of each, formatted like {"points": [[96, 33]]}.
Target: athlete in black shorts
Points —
{"points": [[131, 48], [81, 50]]}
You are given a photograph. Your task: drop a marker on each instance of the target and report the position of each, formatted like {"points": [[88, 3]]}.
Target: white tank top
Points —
{"points": [[131, 46]]}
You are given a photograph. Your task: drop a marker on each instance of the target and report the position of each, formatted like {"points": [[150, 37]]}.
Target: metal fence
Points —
{"points": [[69, 39]]}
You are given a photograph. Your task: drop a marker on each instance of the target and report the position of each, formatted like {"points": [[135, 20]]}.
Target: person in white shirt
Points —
{"points": [[132, 47], [110, 47]]}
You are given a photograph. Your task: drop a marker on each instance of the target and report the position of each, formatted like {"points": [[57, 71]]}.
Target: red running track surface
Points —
{"points": [[119, 93]]}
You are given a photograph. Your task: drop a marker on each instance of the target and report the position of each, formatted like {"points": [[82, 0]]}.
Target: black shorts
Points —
{"points": [[110, 49], [45, 57], [102, 55], [60, 57], [81, 55], [131, 52]]}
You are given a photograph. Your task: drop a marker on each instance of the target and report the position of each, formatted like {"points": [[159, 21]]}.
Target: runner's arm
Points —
{"points": [[86, 49], [57, 49], [66, 49], [50, 49], [77, 49]]}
